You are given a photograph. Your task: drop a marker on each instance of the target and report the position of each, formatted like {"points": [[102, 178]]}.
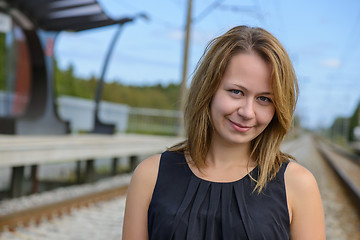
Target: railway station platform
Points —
{"points": [[20, 152]]}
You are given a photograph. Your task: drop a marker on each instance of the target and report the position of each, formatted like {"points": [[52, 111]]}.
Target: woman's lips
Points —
{"points": [[239, 127]]}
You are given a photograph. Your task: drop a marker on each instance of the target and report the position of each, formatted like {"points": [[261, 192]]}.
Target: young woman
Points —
{"points": [[229, 179]]}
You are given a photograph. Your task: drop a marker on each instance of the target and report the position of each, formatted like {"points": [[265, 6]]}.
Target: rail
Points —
{"points": [[345, 165], [46, 207]]}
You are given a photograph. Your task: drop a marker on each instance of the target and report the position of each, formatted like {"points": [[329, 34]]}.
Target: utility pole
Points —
{"points": [[185, 65]]}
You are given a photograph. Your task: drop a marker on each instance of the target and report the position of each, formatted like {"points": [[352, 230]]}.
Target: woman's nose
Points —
{"points": [[246, 109]]}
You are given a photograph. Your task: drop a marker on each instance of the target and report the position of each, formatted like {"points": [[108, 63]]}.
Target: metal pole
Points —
{"points": [[100, 85], [100, 127], [185, 64]]}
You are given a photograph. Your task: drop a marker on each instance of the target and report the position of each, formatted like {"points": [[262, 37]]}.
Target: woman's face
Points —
{"points": [[242, 106]]}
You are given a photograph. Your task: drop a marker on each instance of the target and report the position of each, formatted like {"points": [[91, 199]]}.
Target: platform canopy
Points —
{"points": [[59, 15]]}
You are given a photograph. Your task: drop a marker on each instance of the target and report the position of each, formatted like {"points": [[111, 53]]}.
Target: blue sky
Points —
{"points": [[322, 38]]}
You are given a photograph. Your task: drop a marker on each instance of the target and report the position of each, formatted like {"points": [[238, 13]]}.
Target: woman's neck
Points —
{"points": [[226, 155]]}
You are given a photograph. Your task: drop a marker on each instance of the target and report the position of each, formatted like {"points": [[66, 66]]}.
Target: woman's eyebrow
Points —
{"points": [[246, 90], [242, 87], [266, 93]]}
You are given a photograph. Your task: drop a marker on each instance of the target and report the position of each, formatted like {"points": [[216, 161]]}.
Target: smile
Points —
{"points": [[239, 127]]}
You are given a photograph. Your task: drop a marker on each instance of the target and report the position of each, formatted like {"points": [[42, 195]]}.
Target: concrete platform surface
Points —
{"points": [[30, 150]]}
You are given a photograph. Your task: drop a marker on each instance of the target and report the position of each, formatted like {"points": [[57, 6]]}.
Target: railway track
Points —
{"points": [[342, 218], [11, 221], [345, 165], [16, 215], [98, 221], [99, 215]]}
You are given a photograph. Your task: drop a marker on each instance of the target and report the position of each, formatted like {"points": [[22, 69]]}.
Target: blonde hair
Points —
{"points": [[265, 148]]}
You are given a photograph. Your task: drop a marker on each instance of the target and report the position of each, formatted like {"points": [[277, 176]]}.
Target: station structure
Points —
{"points": [[27, 38]]}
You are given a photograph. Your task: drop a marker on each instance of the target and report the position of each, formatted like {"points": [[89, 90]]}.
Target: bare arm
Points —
{"points": [[138, 199], [305, 207]]}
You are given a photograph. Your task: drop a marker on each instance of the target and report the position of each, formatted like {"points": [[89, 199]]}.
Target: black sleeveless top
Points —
{"points": [[184, 206]]}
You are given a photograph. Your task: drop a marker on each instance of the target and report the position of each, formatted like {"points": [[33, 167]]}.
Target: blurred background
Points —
{"points": [[322, 39], [89, 88]]}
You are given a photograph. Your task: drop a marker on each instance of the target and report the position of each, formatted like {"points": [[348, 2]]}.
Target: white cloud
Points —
{"points": [[331, 63], [198, 37], [176, 34]]}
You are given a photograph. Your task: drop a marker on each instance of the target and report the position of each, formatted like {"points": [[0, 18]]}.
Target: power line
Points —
{"points": [[207, 10], [253, 10], [155, 19], [353, 39]]}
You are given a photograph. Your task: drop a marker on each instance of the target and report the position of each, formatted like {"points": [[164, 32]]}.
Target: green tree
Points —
{"points": [[353, 123], [156, 96]]}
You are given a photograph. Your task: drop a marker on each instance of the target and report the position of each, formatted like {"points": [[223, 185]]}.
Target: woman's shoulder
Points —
{"points": [[148, 169], [299, 178], [138, 198], [303, 195], [143, 180]]}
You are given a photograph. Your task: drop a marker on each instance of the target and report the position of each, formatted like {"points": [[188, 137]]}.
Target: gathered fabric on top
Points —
{"points": [[184, 206]]}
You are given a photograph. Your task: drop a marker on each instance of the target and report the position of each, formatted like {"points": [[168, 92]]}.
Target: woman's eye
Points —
{"points": [[237, 92], [264, 99]]}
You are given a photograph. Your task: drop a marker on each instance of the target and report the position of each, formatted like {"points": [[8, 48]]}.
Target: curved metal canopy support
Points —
{"points": [[99, 126]]}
